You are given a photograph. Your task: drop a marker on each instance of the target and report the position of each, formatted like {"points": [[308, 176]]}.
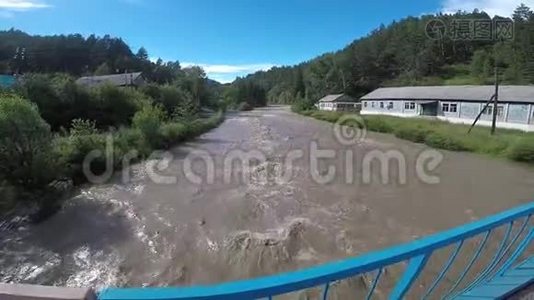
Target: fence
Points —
{"points": [[512, 229]]}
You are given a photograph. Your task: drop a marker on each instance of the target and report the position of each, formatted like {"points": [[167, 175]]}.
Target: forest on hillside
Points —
{"points": [[74, 55], [444, 49]]}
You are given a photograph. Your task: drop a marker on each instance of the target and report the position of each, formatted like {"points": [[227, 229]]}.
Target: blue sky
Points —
{"points": [[228, 37]]}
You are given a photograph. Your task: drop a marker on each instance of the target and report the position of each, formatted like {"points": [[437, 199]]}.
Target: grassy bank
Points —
{"points": [[511, 144]]}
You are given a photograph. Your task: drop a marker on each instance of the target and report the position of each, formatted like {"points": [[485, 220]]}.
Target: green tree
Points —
{"points": [[25, 144], [148, 121], [142, 54], [103, 69]]}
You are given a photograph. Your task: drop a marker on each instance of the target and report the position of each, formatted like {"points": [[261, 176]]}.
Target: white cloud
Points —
{"points": [[227, 73], [21, 5], [502, 8], [9, 8]]}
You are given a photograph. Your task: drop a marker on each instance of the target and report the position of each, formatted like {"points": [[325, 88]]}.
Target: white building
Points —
{"points": [[339, 102], [456, 104]]}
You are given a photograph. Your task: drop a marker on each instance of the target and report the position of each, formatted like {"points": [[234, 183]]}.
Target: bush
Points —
{"points": [[83, 127], [148, 121], [172, 98], [127, 140], [185, 112], [522, 150], [173, 133], [244, 106], [58, 97], [74, 149], [302, 105], [60, 101], [25, 145], [444, 141], [116, 106]]}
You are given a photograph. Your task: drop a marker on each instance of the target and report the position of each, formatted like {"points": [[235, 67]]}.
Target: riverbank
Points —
{"points": [[150, 131], [511, 144]]}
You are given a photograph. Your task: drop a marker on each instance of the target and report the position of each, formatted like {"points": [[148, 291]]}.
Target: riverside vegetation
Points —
{"points": [[48, 125], [511, 144]]}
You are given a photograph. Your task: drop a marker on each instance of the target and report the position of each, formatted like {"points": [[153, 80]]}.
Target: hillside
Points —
{"points": [[413, 52]]}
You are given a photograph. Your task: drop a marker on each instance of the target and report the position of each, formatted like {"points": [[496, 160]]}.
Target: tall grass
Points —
{"points": [[513, 144]]}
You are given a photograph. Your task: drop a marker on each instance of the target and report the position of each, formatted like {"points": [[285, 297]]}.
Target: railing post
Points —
{"points": [[413, 270]]}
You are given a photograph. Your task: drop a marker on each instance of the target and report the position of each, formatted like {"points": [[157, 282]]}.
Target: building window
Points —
{"points": [[409, 105], [500, 110], [489, 110], [390, 105], [381, 104], [449, 107], [365, 104], [372, 104]]}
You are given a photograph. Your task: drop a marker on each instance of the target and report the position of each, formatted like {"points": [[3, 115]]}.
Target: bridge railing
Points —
{"points": [[512, 229]]}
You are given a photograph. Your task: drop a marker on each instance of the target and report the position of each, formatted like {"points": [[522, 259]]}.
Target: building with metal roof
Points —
{"points": [[457, 104], [338, 102], [126, 79]]}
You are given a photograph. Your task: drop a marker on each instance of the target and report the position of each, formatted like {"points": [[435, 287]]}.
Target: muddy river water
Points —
{"points": [[139, 232]]}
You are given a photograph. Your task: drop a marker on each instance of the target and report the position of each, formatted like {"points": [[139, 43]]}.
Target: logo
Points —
{"points": [[436, 29]]}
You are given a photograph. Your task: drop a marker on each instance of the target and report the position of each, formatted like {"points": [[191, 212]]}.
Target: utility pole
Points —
{"points": [[495, 101]]}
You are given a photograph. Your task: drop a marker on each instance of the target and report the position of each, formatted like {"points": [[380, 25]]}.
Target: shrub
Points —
{"points": [[116, 106], [302, 105], [83, 127], [444, 141], [127, 140], [74, 149], [25, 144], [171, 98], [522, 150], [58, 97], [244, 106], [185, 112], [173, 133], [148, 121]]}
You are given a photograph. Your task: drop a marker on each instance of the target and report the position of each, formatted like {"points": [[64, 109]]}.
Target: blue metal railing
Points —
{"points": [[416, 254]]}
